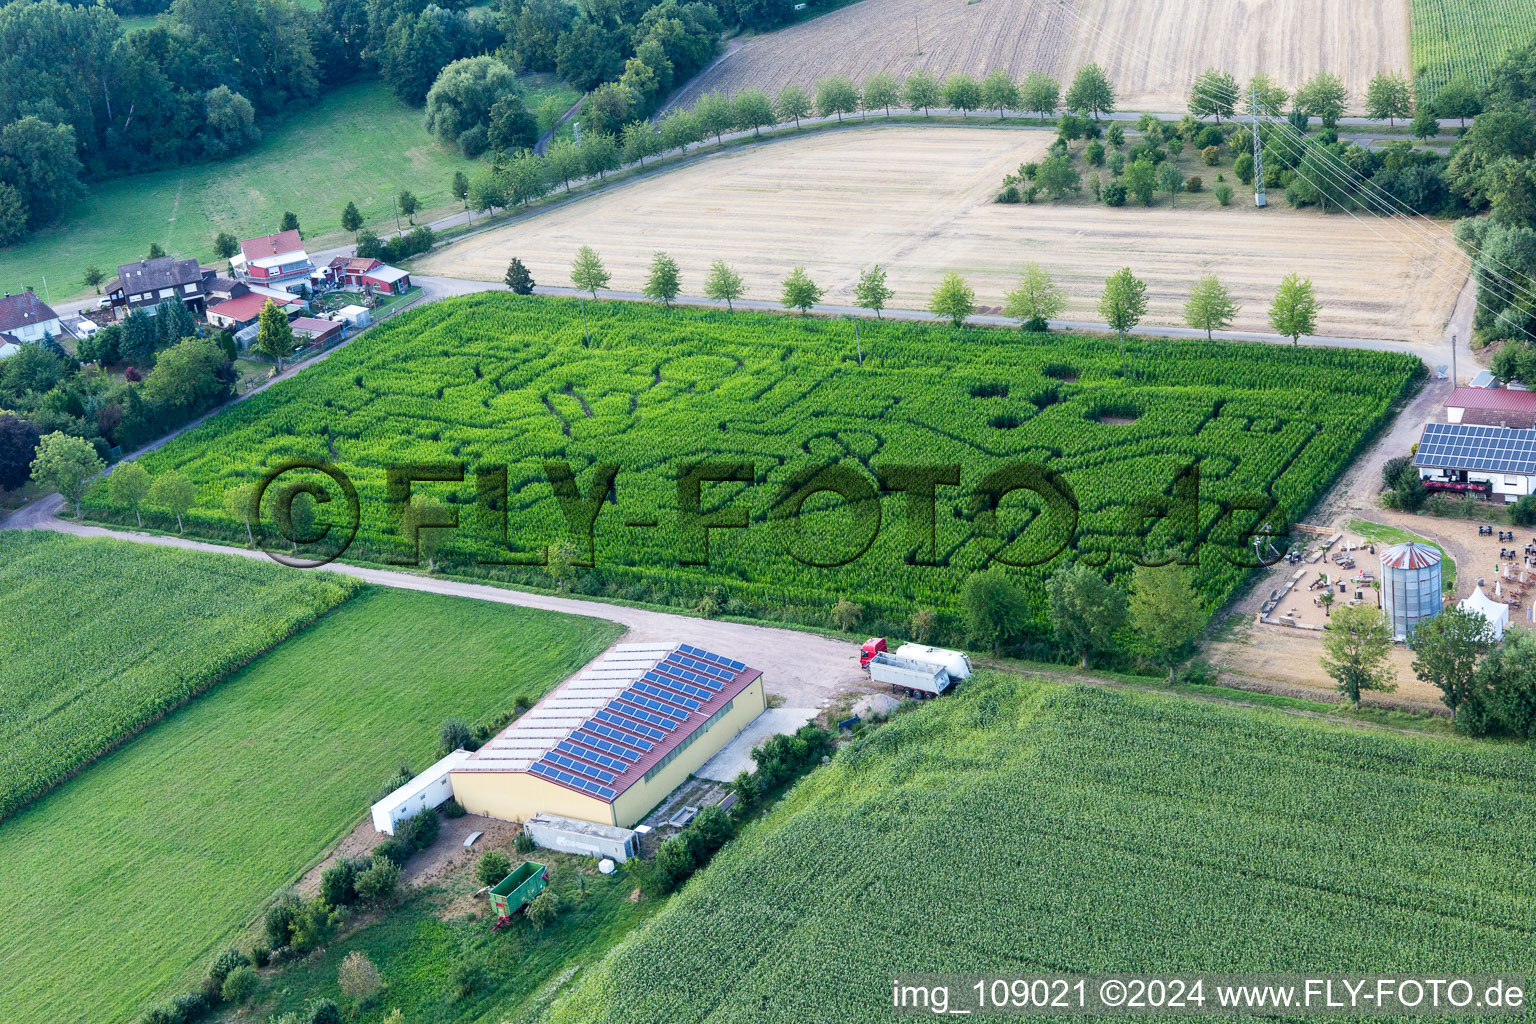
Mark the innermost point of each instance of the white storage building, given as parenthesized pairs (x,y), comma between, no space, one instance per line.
(431,788)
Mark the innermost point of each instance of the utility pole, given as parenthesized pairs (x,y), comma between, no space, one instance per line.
(1259,199)
(1454,382)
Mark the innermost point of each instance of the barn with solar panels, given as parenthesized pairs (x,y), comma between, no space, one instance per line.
(1494,462)
(610,743)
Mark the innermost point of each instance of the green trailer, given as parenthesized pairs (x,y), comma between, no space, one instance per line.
(512,893)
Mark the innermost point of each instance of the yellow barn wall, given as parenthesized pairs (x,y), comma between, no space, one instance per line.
(518,796)
(636,802)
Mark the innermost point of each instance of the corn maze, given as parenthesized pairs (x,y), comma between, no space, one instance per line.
(1029,827)
(778,406)
(1463,37)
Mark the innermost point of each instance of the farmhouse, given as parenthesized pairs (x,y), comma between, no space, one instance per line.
(368,274)
(277,261)
(1501,407)
(1491,461)
(26,318)
(147,283)
(243,311)
(609,744)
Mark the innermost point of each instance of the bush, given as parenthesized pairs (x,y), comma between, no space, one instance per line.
(543,909)
(224,963)
(278,922)
(466,978)
(1028,171)
(419,831)
(1116,162)
(453,809)
(404,775)
(674,862)
(453,735)
(714,829)
(359,978)
(1243,168)
(1093,153)
(312,926)
(1223,194)
(322,1011)
(260,954)
(1032,193)
(1114,193)
(395,850)
(1009,194)
(337,881)
(493,867)
(523,843)
(239,985)
(190,1007)
(379,882)
(1194,184)
(1523,513)
(1211,155)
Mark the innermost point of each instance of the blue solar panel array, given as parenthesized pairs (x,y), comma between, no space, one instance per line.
(635,720)
(574,781)
(1466,446)
(713,659)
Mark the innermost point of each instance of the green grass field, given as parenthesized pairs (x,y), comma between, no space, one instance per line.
(105,636)
(119,885)
(1455,37)
(1021,827)
(497,379)
(359,144)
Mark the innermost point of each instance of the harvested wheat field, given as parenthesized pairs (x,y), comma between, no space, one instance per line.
(918,201)
(1152,49)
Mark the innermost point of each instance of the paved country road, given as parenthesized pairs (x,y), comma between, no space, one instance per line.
(804,668)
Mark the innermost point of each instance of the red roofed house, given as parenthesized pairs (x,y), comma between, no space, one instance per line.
(369,274)
(242,311)
(1492,407)
(277,261)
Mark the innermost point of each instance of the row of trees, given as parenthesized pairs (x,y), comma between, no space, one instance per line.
(1490,688)
(1035,301)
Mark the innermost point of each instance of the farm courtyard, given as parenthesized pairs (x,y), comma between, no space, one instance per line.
(919,201)
(1151,50)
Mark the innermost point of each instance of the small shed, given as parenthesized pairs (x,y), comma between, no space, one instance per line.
(358,316)
(431,788)
(1496,613)
(587,838)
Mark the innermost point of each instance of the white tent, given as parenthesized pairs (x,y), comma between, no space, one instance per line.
(1497,614)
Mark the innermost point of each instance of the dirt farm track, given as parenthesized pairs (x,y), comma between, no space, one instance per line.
(1152,49)
(918,201)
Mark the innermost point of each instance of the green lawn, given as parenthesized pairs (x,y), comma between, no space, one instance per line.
(1376,533)
(105,636)
(119,885)
(1021,827)
(359,144)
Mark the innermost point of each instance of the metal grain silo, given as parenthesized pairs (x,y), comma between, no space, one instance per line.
(1410,586)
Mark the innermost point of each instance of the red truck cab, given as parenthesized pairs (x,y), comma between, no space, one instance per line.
(873,646)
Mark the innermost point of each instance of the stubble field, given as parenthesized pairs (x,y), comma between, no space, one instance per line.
(1151,50)
(918,201)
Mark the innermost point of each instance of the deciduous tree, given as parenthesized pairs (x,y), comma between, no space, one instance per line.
(1294,311)
(994,608)
(998,92)
(753,109)
(1357,646)
(880,91)
(921,91)
(663,282)
(953,299)
(962,93)
(836,95)
(128,485)
(1122,305)
(587,272)
(1446,652)
(65,463)
(1040,93)
(1388,96)
(1091,92)
(800,292)
(1210,306)
(1214,94)
(174,493)
(1036,301)
(1164,612)
(871,291)
(723,284)
(274,334)
(1085,610)
(792,104)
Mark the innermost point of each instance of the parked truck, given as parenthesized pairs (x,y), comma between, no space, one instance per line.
(915,670)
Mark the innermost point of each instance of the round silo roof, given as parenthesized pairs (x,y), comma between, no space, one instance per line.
(1409,556)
